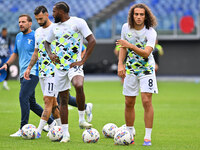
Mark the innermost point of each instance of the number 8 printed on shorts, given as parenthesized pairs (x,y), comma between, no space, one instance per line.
(150,82)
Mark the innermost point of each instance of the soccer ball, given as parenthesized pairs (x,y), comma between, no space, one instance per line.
(120,128)
(109,130)
(29,131)
(124,127)
(90,135)
(55,133)
(122,137)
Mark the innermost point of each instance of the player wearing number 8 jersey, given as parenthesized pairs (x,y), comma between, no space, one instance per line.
(137,43)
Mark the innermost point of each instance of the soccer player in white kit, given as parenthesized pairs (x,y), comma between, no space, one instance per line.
(137,43)
(46,70)
(68,34)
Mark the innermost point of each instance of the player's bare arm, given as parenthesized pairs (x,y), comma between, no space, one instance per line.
(121,67)
(12,58)
(34,59)
(83,53)
(90,47)
(54,58)
(144,53)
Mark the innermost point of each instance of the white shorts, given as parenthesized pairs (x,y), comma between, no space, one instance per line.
(133,83)
(62,80)
(77,70)
(48,86)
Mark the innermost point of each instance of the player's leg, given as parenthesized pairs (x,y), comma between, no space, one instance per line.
(148,86)
(64,97)
(130,90)
(148,116)
(130,114)
(48,105)
(148,109)
(49,92)
(38,110)
(130,110)
(56,112)
(76,76)
(77,82)
(63,85)
(88,107)
(72,102)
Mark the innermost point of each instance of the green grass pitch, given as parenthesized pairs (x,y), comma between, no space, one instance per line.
(176,118)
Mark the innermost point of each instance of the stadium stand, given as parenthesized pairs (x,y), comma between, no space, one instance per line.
(107,16)
(12,9)
(168,15)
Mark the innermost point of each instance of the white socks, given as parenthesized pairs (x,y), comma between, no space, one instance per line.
(65,130)
(81,115)
(58,120)
(130,129)
(5,83)
(148,133)
(52,124)
(41,125)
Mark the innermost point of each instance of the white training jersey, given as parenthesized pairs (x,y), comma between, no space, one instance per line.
(68,42)
(136,64)
(46,67)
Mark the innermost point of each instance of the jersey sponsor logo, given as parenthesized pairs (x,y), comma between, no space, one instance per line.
(151,89)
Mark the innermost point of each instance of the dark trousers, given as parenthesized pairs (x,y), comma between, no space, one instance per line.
(28,101)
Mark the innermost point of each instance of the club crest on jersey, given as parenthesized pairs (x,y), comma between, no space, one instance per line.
(29,41)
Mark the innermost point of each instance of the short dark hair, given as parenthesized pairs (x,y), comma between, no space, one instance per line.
(4,28)
(40,9)
(27,16)
(63,6)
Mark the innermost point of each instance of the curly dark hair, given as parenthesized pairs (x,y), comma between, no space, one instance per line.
(150,19)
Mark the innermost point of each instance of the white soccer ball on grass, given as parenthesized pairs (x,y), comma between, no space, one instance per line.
(109,130)
(124,127)
(122,137)
(55,133)
(90,135)
(29,131)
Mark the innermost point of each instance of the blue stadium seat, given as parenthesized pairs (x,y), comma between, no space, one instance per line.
(165,13)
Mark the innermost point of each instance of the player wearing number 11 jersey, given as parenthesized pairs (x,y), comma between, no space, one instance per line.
(46,70)
(137,43)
